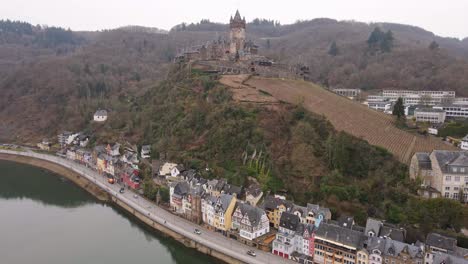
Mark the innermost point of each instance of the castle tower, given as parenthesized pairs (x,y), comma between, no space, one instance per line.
(237,35)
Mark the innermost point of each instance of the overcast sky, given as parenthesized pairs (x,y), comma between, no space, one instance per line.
(446,18)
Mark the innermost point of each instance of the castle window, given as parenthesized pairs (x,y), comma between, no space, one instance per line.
(448,178)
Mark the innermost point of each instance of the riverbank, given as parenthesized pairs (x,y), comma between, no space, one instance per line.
(62,171)
(182,230)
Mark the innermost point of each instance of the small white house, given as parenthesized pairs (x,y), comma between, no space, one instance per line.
(464,143)
(166,169)
(100,116)
(146,151)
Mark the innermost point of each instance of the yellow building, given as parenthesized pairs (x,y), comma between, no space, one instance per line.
(224,208)
(274,207)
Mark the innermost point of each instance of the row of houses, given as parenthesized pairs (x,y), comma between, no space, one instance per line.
(345,243)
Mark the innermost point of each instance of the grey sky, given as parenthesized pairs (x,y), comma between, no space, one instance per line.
(445,18)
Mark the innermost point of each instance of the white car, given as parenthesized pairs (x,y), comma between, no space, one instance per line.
(251,253)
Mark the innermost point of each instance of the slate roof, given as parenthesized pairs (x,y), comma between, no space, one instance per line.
(440,241)
(375,243)
(394,248)
(225,201)
(254,190)
(346,221)
(101,113)
(339,234)
(447,158)
(373,225)
(182,188)
(394,233)
(272,203)
(289,221)
(253,213)
(232,189)
(424,160)
(442,258)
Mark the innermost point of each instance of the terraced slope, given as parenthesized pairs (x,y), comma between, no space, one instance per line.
(375,127)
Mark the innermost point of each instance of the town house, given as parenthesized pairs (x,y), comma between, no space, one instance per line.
(274,207)
(223,210)
(251,221)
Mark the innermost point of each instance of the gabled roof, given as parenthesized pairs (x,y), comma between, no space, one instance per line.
(225,201)
(440,241)
(101,113)
(289,221)
(272,203)
(376,243)
(394,233)
(394,248)
(442,258)
(424,160)
(447,158)
(182,188)
(253,213)
(342,235)
(373,225)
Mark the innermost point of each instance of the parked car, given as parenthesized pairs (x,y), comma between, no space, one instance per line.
(135,196)
(122,190)
(251,253)
(198,232)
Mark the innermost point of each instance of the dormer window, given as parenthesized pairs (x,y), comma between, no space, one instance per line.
(462,170)
(455,169)
(371,234)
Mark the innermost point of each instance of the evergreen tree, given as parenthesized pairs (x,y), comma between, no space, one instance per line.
(386,43)
(333,51)
(399,108)
(434,45)
(375,37)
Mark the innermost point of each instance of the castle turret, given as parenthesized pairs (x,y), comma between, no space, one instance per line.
(237,34)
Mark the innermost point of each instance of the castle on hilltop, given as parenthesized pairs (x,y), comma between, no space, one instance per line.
(236,48)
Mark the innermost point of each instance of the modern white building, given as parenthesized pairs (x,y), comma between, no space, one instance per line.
(454,111)
(347,92)
(100,116)
(430,115)
(419,97)
(384,106)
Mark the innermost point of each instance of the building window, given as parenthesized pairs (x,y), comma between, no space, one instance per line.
(455,169)
(455,196)
(457,178)
(447,195)
(462,170)
(455,188)
(448,178)
(447,188)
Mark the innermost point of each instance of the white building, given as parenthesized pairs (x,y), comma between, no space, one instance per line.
(346,92)
(384,106)
(100,116)
(208,210)
(430,115)
(252,222)
(464,143)
(445,171)
(453,110)
(166,169)
(145,151)
(419,97)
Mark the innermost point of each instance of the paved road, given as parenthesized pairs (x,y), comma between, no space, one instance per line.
(180,225)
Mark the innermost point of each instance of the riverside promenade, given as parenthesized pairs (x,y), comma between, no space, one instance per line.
(208,242)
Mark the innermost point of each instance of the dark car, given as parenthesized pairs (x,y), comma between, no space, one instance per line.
(198,232)
(122,190)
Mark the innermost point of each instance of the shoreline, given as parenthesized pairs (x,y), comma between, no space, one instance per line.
(74,177)
(103,195)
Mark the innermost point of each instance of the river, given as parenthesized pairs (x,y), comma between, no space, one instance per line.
(46,219)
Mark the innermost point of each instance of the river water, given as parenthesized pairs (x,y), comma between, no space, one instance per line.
(46,219)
